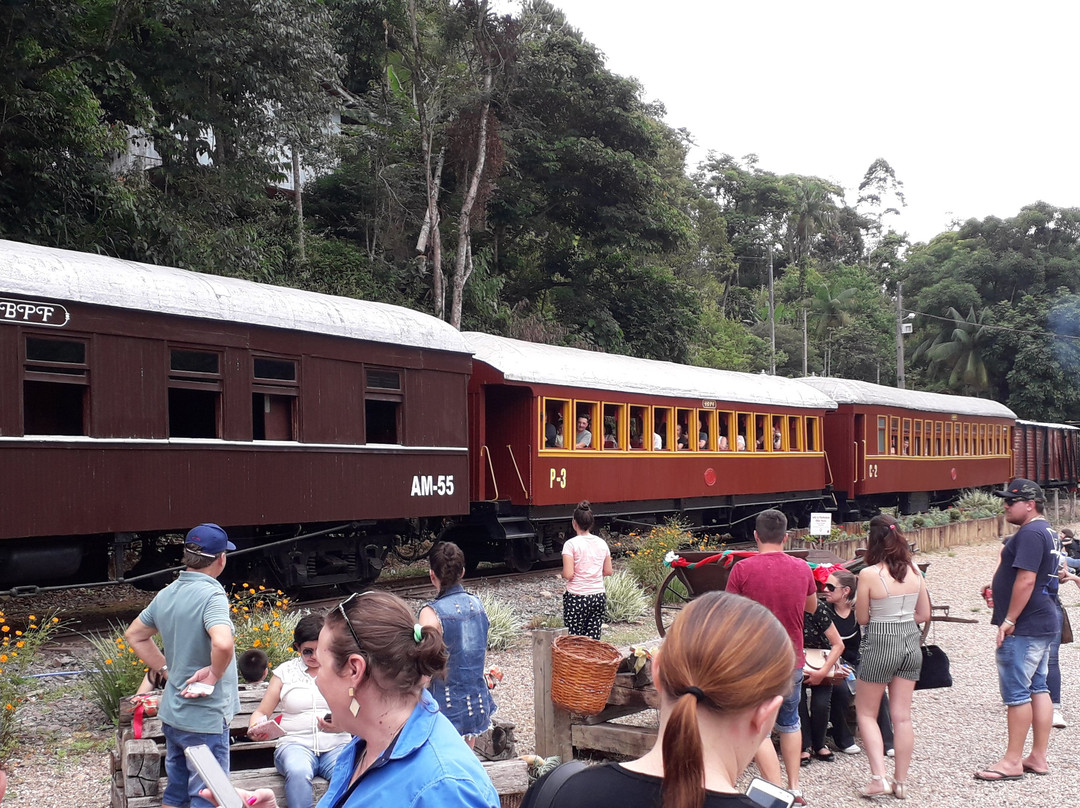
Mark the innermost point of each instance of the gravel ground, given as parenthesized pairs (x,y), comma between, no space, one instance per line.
(959,730)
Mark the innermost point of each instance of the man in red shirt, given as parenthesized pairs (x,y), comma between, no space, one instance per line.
(784,585)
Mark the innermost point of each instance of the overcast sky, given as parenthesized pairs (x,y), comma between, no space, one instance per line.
(972,103)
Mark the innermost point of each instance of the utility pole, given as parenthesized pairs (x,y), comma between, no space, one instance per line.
(900,335)
(805,341)
(772,319)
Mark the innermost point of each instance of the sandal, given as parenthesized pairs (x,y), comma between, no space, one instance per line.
(869,791)
(805,759)
(899,789)
(825,754)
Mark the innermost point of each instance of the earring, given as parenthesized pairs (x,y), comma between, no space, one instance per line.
(354,705)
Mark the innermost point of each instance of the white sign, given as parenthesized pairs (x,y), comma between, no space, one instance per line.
(820,524)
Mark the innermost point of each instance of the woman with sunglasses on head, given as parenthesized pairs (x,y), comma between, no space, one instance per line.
(462,693)
(374,660)
(310,746)
(890,601)
(815,704)
(721,674)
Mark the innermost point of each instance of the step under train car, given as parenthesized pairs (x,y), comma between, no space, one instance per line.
(550,426)
(889,447)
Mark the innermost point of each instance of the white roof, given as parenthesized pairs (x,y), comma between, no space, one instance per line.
(849,391)
(534,363)
(64,275)
(1051,426)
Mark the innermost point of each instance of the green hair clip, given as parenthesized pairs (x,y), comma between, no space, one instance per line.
(417,632)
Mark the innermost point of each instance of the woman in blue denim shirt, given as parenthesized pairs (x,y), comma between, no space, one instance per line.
(462,695)
(374,660)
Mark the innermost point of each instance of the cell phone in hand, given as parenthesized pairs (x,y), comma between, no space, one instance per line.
(205,764)
(769,795)
(198,689)
(328,718)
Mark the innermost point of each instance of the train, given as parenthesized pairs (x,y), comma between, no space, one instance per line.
(139,400)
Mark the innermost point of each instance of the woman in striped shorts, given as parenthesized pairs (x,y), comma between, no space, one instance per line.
(586,562)
(890,600)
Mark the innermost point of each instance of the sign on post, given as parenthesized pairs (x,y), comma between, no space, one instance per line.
(820,524)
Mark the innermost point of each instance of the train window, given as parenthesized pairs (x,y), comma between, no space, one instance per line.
(614,428)
(663,424)
(725,421)
(382,405)
(811,435)
(640,435)
(761,429)
(741,444)
(983,448)
(273,398)
(706,433)
(965,444)
(950,449)
(684,424)
(55,387)
(905,440)
(556,413)
(939,447)
(794,433)
(917,438)
(776,433)
(194,394)
(882,433)
(586,425)
(894,435)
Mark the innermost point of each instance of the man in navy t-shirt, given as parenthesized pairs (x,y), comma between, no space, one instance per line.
(1028,621)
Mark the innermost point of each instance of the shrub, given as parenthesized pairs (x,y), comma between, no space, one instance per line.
(626,601)
(18,648)
(647,563)
(504,627)
(976,499)
(118,672)
(261,620)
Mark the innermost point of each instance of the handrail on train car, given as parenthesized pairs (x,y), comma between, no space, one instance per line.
(854,462)
(484,450)
(828,468)
(514,461)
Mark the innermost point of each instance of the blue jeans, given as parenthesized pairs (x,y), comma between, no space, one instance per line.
(183,787)
(1022,663)
(787,720)
(298,765)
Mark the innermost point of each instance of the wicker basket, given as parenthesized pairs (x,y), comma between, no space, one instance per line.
(582,673)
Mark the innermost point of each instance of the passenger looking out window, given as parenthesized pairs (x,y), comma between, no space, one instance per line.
(777,437)
(583,439)
(683,440)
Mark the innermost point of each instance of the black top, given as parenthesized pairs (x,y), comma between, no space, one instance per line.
(611,784)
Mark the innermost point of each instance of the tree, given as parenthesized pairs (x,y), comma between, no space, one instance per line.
(958,352)
(830,310)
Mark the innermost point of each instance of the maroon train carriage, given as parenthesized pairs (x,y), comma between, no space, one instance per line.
(889,447)
(752,441)
(137,401)
(1047,454)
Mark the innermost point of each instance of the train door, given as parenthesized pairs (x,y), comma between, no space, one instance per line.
(858,452)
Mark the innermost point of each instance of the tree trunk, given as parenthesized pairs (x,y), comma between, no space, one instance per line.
(299,198)
(463,261)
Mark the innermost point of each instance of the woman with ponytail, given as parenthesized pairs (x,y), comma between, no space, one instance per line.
(890,600)
(722,673)
(586,561)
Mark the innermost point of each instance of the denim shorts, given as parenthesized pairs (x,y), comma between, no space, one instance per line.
(787,720)
(183,787)
(1022,664)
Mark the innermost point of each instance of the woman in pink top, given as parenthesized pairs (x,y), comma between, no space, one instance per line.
(586,559)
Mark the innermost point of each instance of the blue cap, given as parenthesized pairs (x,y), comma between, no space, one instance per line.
(211,539)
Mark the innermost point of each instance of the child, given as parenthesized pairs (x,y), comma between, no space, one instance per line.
(586,561)
(253,666)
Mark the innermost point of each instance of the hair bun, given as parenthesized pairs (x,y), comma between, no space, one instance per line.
(584,505)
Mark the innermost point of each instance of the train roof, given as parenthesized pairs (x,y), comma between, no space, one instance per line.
(1043,423)
(534,363)
(33,271)
(849,391)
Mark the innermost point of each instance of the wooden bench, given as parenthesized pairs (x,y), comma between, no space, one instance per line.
(137,764)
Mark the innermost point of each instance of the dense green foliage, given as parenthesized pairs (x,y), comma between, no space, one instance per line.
(493,171)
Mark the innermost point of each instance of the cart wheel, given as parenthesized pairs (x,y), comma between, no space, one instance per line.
(670,599)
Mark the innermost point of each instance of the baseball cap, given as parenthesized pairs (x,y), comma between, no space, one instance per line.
(210,538)
(1022,489)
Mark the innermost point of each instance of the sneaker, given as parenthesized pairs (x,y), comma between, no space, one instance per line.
(1059,719)
(851,750)
(890,753)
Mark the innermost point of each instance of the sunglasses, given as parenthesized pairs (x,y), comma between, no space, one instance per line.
(1010,502)
(829,587)
(348,624)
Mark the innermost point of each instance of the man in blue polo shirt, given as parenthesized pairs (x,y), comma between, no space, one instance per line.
(1028,621)
(192,617)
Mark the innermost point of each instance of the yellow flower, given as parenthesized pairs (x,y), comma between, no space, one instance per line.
(261,587)
(3,657)
(108,661)
(20,643)
(5,629)
(56,619)
(256,644)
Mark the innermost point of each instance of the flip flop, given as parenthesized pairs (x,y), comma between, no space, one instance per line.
(1000,776)
(1032,770)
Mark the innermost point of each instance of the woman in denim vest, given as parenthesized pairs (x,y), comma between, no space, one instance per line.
(462,694)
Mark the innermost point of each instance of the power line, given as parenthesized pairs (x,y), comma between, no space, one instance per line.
(1029,332)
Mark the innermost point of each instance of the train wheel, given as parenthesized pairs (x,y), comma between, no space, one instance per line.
(670,599)
(413,548)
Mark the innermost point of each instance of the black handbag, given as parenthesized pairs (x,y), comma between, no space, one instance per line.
(935,669)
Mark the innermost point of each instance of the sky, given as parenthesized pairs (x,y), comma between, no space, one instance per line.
(973,104)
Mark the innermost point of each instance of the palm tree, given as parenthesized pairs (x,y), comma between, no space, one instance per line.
(958,351)
(830,312)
